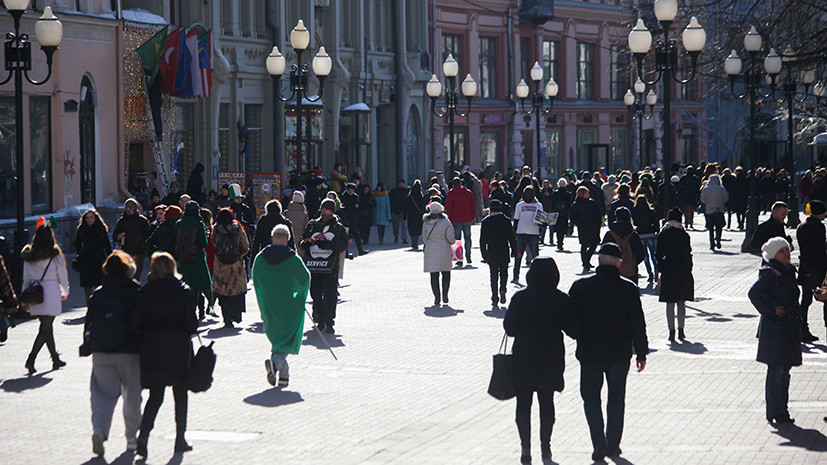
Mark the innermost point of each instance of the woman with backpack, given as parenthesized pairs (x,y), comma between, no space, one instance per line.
(646,227)
(93,246)
(674,257)
(116,368)
(43,262)
(191,254)
(623,234)
(165,320)
(229,275)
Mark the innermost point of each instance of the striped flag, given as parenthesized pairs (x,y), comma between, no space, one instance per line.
(194,63)
(204,62)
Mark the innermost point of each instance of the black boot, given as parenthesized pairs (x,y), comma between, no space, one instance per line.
(545,450)
(525,456)
(181,445)
(30,365)
(57,363)
(681,335)
(141,449)
(806,335)
(672,336)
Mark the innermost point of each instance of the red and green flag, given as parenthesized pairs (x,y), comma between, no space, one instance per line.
(151,52)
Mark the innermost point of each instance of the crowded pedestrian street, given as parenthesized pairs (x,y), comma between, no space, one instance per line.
(409,385)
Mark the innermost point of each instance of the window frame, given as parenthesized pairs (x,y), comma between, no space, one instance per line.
(585,71)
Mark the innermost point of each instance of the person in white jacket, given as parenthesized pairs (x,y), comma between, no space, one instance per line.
(43,261)
(714,197)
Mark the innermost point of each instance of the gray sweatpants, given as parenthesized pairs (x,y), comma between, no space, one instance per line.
(113,376)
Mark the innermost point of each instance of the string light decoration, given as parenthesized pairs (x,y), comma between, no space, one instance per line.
(138,126)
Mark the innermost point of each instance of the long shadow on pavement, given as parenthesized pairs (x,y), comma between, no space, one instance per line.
(621,461)
(442,312)
(19,385)
(495,312)
(312,338)
(808,348)
(216,333)
(256,327)
(809,439)
(126,458)
(274,397)
(696,348)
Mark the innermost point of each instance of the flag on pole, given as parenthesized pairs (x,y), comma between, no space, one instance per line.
(204,62)
(183,76)
(169,62)
(195,63)
(151,52)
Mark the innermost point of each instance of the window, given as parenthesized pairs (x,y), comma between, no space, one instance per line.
(224,137)
(488,70)
(8,157)
(183,158)
(552,167)
(41,152)
(585,71)
(585,137)
(525,59)
(459,147)
(619,73)
(227,24)
(252,149)
(619,149)
(687,91)
(488,149)
(452,45)
(550,59)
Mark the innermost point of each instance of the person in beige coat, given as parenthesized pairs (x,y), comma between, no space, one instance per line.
(297,214)
(229,278)
(438,237)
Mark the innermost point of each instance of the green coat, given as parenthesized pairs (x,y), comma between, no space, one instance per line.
(196,274)
(281,282)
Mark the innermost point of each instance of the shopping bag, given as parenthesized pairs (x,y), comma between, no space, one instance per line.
(199,377)
(456,251)
(501,385)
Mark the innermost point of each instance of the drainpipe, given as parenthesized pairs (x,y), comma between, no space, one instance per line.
(118,9)
(510,71)
(278,105)
(399,52)
(432,118)
(122,182)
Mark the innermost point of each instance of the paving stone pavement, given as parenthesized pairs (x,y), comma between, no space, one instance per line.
(410,383)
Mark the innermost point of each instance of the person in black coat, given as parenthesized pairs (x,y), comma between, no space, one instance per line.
(622,199)
(93,246)
(497,190)
(668,196)
(414,209)
(497,244)
(537,317)
(265,227)
(739,197)
(622,233)
(587,215)
(646,226)
(674,258)
(560,203)
(397,196)
(689,192)
(349,214)
(131,230)
(811,237)
(367,205)
(775,296)
(173,195)
(195,183)
(165,319)
(773,227)
(608,310)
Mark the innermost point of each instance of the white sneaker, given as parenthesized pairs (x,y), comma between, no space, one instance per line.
(271,372)
(97,444)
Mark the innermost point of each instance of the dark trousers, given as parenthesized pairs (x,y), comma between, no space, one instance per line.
(586,252)
(364,229)
(715,225)
(153,404)
(777,391)
(591,382)
(353,231)
(45,335)
(324,292)
(446,283)
(523,417)
(806,300)
(498,272)
(139,265)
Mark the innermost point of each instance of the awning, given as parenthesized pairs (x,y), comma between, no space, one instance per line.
(356,108)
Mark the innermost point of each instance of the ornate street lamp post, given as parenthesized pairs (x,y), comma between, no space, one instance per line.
(538,102)
(666,65)
(276,65)
(451,110)
(18,48)
(751,90)
(637,108)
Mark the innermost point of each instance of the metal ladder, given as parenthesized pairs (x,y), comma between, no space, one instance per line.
(161,168)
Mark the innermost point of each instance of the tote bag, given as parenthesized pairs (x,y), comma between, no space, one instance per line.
(501,385)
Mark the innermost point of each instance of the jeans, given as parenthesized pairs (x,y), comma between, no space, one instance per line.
(523,416)
(113,376)
(525,241)
(586,252)
(498,272)
(591,382)
(670,314)
(650,243)
(153,404)
(464,229)
(324,290)
(777,391)
(280,365)
(399,223)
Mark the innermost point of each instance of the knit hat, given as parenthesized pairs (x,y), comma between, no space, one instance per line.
(235,192)
(350,185)
(817,207)
(328,204)
(435,207)
(298,197)
(132,203)
(562,182)
(495,205)
(675,214)
(772,246)
(611,249)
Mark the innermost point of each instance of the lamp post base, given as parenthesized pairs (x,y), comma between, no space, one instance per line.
(15,268)
(752,223)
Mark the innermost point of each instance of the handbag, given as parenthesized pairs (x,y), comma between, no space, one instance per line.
(33,294)
(199,376)
(501,385)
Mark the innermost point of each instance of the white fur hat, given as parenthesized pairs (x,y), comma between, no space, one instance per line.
(772,246)
(435,207)
(561,182)
(298,197)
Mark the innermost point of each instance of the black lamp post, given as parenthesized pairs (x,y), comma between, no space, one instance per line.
(434,88)
(538,102)
(637,108)
(666,65)
(18,51)
(752,91)
(276,64)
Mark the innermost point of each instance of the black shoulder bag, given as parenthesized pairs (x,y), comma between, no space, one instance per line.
(33,294)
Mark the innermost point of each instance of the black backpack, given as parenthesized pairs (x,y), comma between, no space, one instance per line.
(108,328)
(199,376)
(185,248)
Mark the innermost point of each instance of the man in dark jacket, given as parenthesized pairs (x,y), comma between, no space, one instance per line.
(610,316)
(350,215)
(265,227)
(173,195)
(497,243)
(813,258)
(195,183)
(323,239)
(131,230)
(689,191)
(586,215)
(397,197)
(773,227)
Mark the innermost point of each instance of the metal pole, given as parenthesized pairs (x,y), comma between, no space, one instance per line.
(20,238)
(300,77)
(452,103)
(751,83)
(792,214)
(667,122)
(537,107)
(640,139)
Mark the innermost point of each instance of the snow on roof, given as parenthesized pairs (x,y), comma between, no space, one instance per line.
(139,15)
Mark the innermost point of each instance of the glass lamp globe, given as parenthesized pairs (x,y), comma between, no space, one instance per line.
(694,36)
(552,88)
(651,98)
(48,29)
(18,5)
(639,86)
(322,64)
(434,87)
(752,41)
(640,39)
(300,37)
(450,67)
(522,89)
(628,98)
(276,63)
(666,10)
(536,72)
(469,87)
(772,63)
(732,64)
